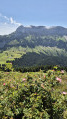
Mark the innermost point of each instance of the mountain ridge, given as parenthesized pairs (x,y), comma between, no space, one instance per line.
(30,40)
(44,29)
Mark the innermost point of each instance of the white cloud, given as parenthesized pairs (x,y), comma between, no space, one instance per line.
(5,17)
(14,22)
(7,25)
(10,20)
(6,29)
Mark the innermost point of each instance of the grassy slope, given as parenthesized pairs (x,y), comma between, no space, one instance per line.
(18,52)
(47,45)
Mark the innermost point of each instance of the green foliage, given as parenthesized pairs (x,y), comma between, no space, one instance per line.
(14,42)
(42,56)
(33,95)
(8,67)
(65,114)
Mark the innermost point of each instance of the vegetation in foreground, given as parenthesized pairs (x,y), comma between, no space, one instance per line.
(33,95)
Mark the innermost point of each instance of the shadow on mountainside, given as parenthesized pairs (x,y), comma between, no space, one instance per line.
(33,59)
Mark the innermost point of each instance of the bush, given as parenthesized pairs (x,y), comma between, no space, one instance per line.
(33,97)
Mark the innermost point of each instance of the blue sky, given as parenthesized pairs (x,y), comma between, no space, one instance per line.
(31,12)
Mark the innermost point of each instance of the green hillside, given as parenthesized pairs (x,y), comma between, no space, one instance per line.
(34,46)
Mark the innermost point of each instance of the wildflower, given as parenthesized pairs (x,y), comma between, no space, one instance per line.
(4,84)
(44,76)
(24,79)
(64,93)
(7,72)
(58,79)
(62,71)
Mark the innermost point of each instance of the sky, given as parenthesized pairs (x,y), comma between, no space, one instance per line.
(14,13)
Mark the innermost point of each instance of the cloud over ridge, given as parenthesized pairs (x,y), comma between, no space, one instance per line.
(9,20)
(7,24)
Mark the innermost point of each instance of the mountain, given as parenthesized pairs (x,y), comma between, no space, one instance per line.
(43,30)
(35,45)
